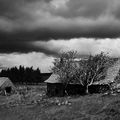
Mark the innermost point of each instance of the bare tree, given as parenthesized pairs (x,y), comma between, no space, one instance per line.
(89,71)
(93,69)
(64,66)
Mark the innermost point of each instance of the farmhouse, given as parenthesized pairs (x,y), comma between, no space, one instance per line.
(56,88)
(6,86)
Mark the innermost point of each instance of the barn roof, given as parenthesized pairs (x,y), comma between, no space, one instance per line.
(101,82)
(111,74)
(53,79)
(4,81)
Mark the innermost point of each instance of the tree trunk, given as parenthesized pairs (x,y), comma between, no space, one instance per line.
(87,90)
(65,86)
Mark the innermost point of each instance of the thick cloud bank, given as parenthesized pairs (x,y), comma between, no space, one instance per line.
(23,22)
(46,19)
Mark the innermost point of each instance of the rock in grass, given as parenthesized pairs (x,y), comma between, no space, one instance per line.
(59,104)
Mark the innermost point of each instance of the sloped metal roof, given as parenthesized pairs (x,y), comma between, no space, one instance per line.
(53,79)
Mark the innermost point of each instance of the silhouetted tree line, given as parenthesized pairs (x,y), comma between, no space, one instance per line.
(23,75)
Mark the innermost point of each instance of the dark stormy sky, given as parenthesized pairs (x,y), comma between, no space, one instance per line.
(33,32)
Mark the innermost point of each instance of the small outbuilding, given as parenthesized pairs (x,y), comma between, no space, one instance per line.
(54,86)
(6,86)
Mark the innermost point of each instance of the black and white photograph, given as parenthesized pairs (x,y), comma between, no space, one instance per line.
(59,59)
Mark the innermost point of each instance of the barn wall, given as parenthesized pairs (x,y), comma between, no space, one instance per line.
(74,89)
(98,88)
(55,89)
(58,89)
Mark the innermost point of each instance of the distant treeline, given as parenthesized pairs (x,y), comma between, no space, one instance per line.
(25,75)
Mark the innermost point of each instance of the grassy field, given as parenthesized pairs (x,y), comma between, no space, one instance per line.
(31,103)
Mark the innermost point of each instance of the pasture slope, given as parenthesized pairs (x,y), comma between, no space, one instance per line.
(89,107)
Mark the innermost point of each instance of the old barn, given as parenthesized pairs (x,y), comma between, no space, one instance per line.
(56,88)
